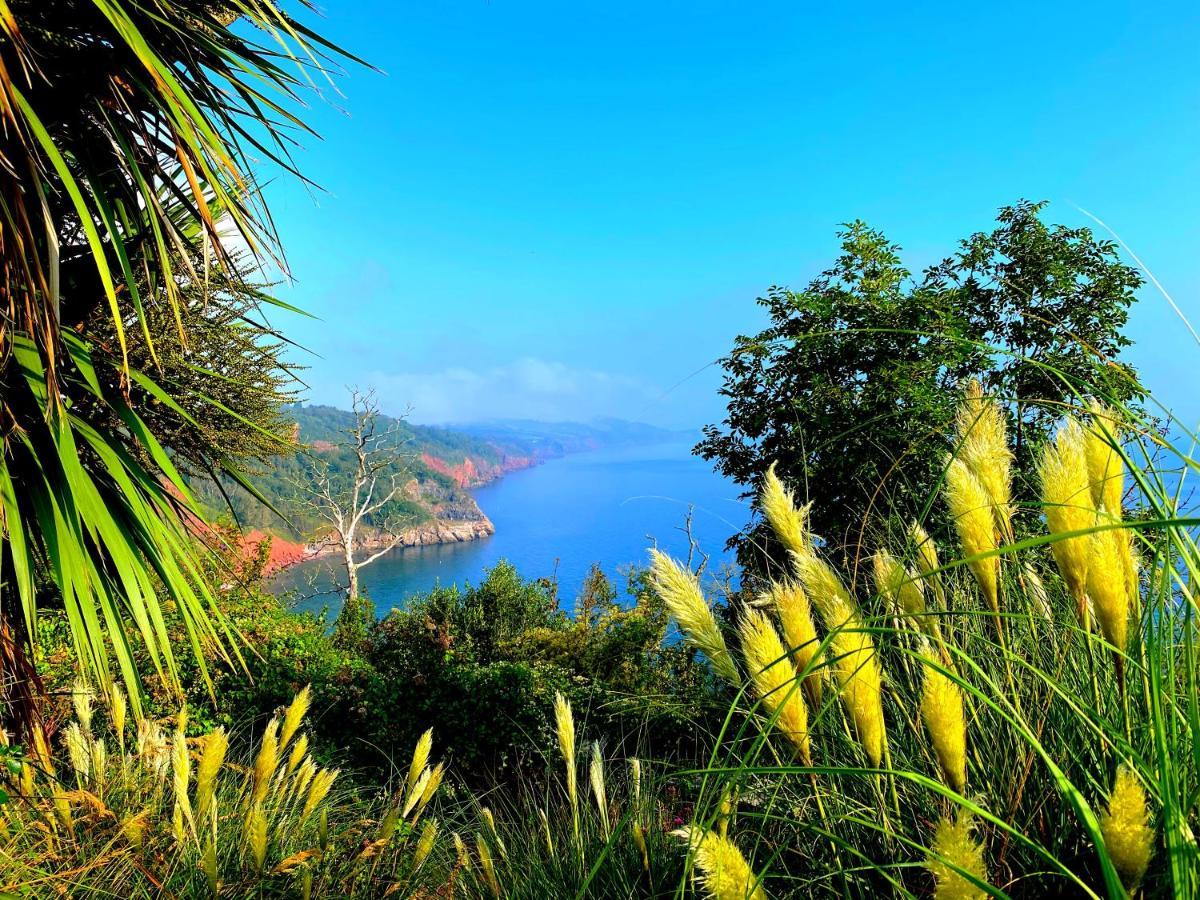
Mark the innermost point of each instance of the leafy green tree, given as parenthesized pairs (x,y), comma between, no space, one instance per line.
(852,386)
(124,185)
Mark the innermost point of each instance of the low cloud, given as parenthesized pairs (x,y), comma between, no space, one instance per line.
(528,387)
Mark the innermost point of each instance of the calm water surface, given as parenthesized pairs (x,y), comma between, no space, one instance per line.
(607,506)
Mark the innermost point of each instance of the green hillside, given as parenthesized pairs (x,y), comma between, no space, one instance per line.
(440,462)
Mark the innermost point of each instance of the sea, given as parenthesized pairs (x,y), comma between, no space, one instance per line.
(555,520)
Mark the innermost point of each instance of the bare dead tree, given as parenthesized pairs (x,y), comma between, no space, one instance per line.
(346,501)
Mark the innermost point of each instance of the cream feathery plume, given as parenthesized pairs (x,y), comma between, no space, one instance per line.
(970,507)
(1067,499)
(680,591)
(852,653)
(902,588)
(420,757)
(942,711)
(927,560)
(795,615)
(599,793)
(425,842)
(724,872)
(1108,585)
(983,446)
(266,761)
(953,853)
(856,667)
(212,757)
(786,520)
(295,714)
(1128,836)
(774,678)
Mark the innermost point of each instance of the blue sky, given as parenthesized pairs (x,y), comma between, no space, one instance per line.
(562,210)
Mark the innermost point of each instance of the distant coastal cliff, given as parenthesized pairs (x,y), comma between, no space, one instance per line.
(445,464)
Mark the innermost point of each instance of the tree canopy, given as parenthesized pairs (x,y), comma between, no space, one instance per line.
(852,386)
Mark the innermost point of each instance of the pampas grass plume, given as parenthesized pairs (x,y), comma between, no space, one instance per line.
(680,591)
(1126,828)
(795,615)
(599,792)
(983,447)
(942,711)
(724,872)
(420,757)
(779,507)
(425,842)
(212,757)
(970,507)
(774,679)
(1066,494)
(955,851)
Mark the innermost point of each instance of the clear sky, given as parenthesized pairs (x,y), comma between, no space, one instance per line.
(561,210)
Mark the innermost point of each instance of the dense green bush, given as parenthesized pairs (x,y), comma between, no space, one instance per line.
(480,662)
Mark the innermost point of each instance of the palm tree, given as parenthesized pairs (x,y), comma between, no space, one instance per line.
(125,188)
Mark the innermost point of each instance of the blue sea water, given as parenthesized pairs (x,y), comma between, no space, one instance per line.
(555,520)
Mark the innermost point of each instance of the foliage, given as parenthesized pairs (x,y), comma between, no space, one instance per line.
(1037,746)
(136,808)
(425,455)
(852,386)
(123,179)
(498,652)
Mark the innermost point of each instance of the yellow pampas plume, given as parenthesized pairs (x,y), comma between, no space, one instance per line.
(266,762)
(795,615)
(212,757)
(565,726)
(983,448)
(774,679)
(1128,837)
(181,768)
(942,710)
(970,507)
(81,699)
(489,819)
(927,560)
(599,792)
(208,864)
(462,857)
(680,591)
(785,519)
(900,587)
(119,709)
(420,757)
(416,791)
(79,750)
(724,872)
(546,836)
(852,651)
(295,714)
(319,789)
(431,787)
(256,836)
(488,865)
(425,842)
(1106,468)
(954,853)
(856,667)
(299,751)
(1108,585)
(1067,496)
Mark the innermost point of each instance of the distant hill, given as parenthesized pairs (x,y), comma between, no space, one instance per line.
(559,438)
(442,464)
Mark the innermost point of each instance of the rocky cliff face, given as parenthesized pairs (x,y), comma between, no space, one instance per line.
(473,472)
